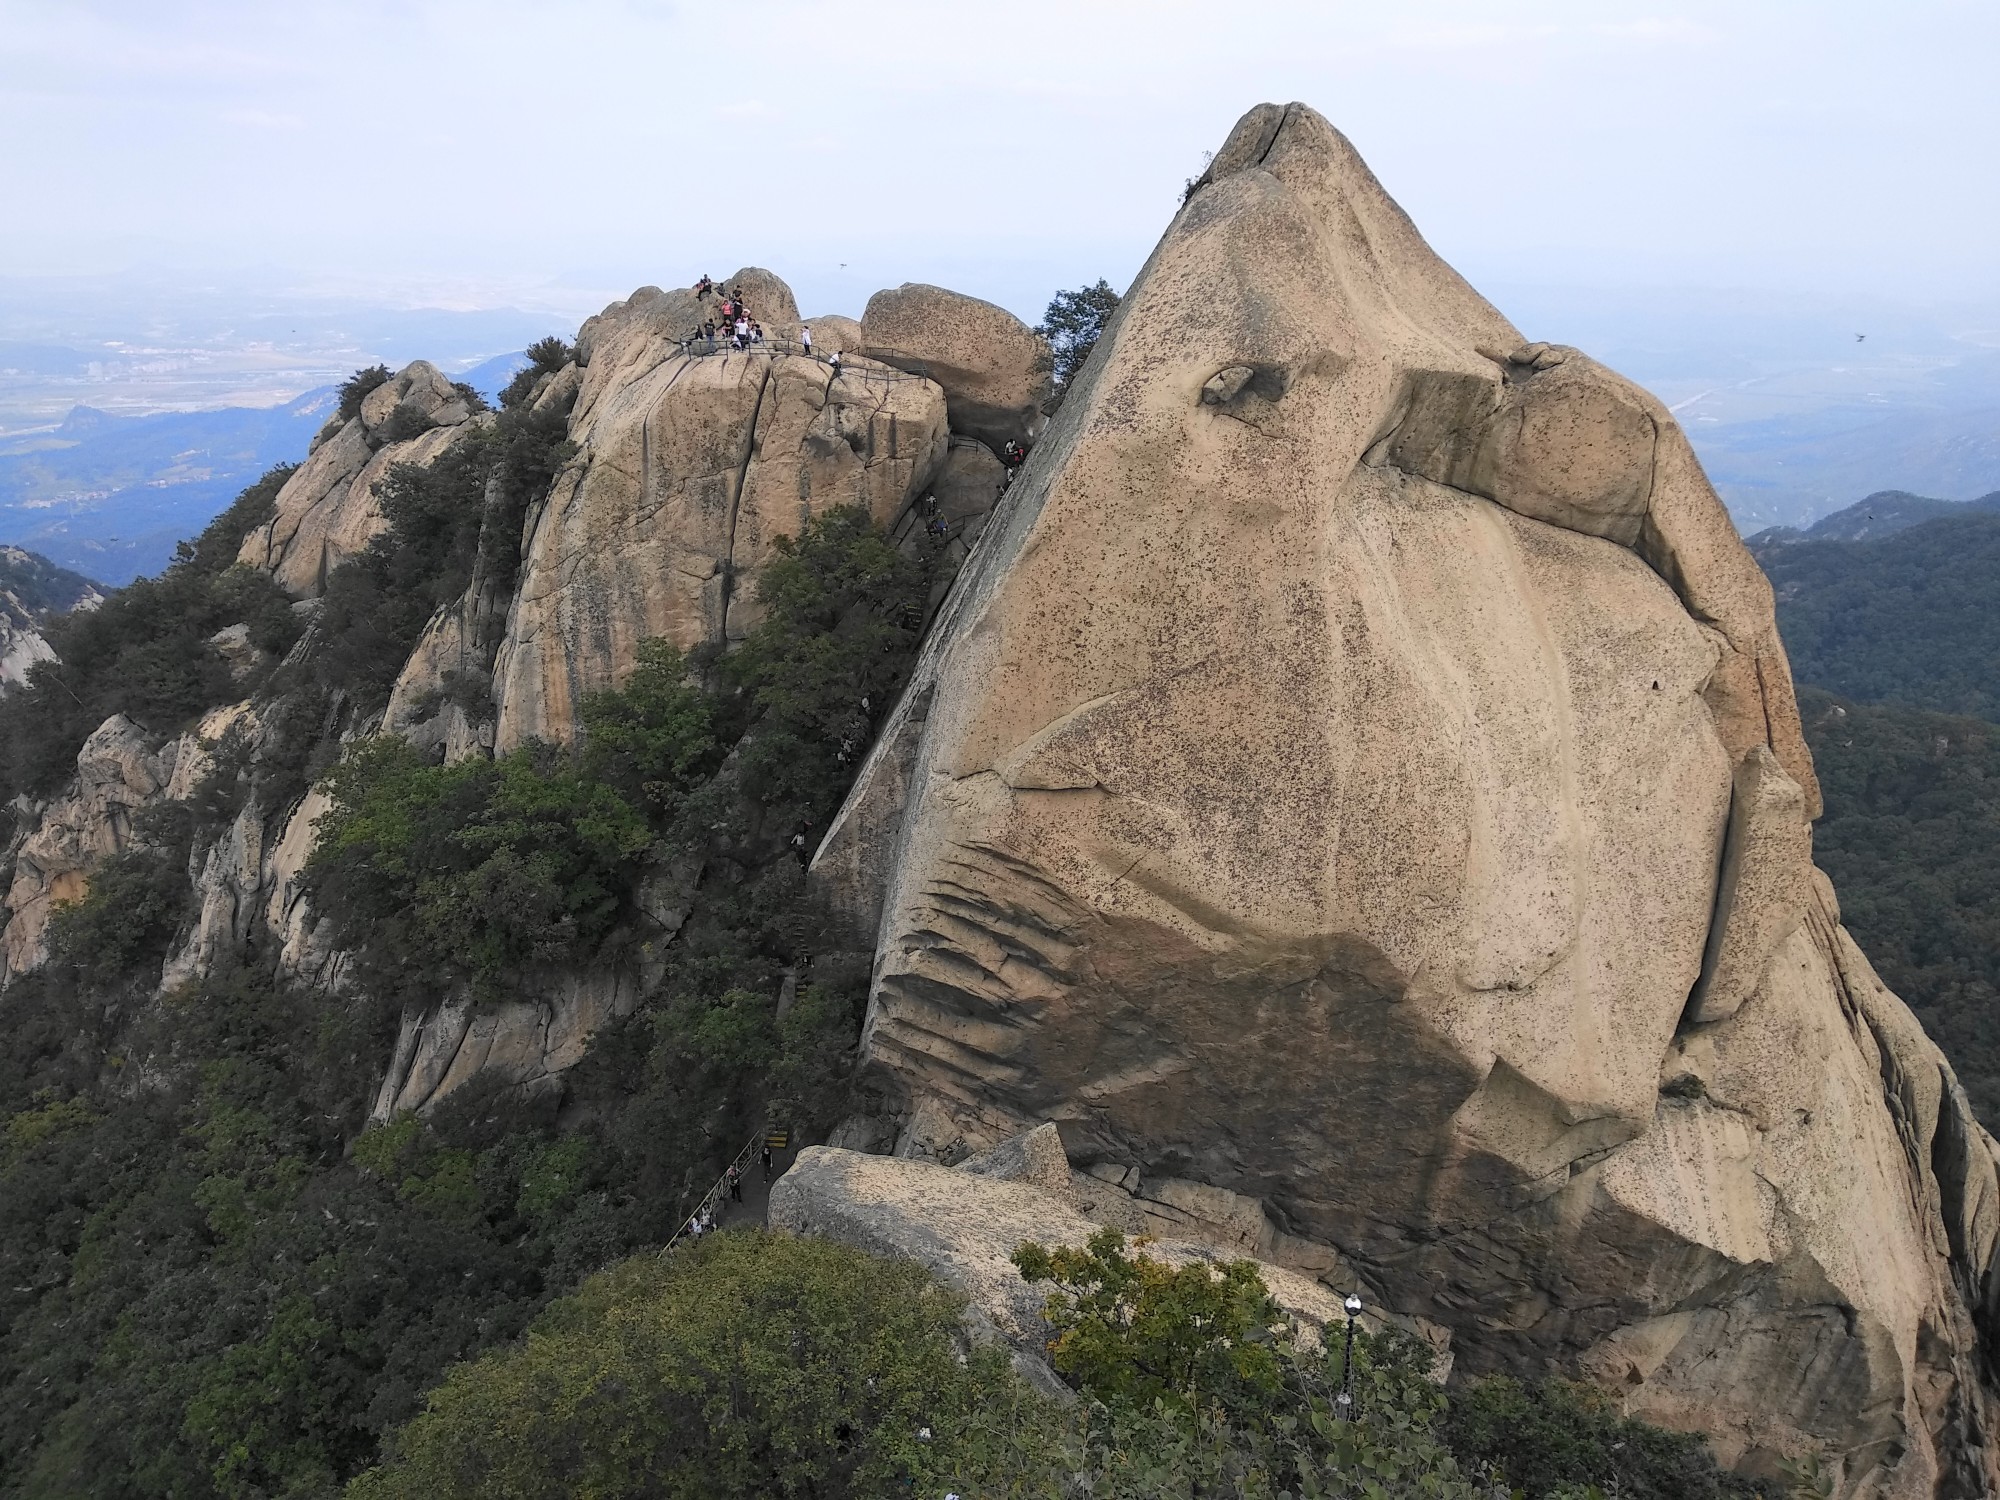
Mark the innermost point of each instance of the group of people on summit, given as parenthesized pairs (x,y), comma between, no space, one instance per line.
(742,332)
(737,327)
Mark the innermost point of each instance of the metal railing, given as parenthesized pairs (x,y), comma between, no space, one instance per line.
(698,347)
(716,1198)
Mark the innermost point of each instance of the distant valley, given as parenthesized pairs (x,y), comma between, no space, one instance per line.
(1887,610)
(1892,601)
(109,496)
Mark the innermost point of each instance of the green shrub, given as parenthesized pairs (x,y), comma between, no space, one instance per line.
(843,617)
(124,924)
(656,734)
(1199,1385)
(407,421)
(49,1119)
(744,1365)
(471,871)
(545,357)
(1137,1330)
(1555,1436)
(1074,322)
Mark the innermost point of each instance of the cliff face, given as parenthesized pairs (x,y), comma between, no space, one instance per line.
(328,510)
(1359,773)
(31,589)
(689,466)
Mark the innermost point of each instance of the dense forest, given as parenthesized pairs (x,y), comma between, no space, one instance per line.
(1911,839)
(1895,642)
(1906,619)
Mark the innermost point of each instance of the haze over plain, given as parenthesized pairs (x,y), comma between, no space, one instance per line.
(226,204)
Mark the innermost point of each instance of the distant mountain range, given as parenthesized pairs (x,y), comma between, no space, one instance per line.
(1894,603)
(109,496)
(1883,513)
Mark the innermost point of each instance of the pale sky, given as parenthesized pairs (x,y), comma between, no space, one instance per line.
(503,151)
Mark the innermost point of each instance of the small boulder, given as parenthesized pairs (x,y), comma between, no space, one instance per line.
(770,301)
(245,657)
(833,334)
(419,385)
(1035,1157)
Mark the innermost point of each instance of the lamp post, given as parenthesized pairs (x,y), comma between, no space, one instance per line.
(1344,1402)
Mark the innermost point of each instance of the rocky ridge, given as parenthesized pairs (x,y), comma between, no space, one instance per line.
(327,511)
(687,465)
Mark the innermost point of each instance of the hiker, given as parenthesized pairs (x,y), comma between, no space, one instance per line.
(836,364)
(735,1183)
(1012,454)
(703,287)
(756,332)
(767,1161)
(806,338)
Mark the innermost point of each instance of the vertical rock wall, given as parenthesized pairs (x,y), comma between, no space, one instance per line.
(1359,775)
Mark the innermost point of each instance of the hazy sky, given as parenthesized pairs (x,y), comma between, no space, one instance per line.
(501,151)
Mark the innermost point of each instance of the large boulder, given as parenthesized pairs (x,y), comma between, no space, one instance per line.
(1358,734)
(690,467)
(328,511)
(964,1226)
(995,370)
